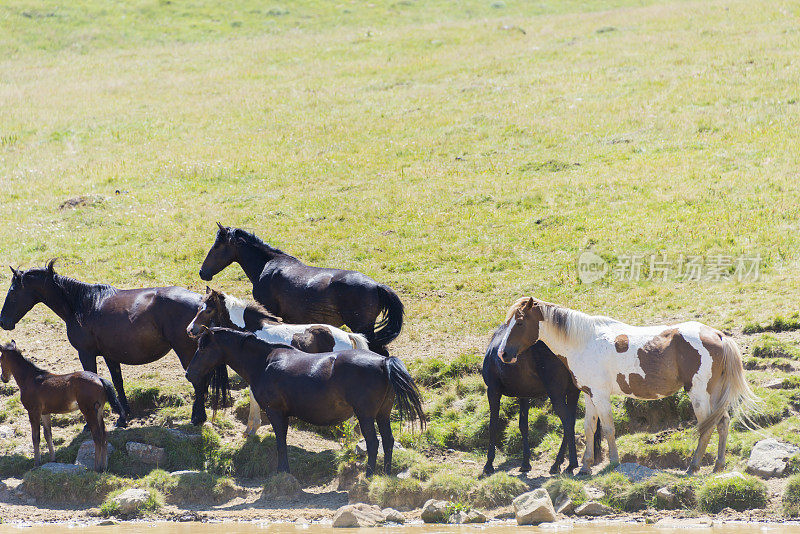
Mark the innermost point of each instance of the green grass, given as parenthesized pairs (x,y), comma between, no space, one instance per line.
(82,487)
(154,501)
(790,501)
(739,493)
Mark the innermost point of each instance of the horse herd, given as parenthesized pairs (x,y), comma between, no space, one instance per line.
(297,361)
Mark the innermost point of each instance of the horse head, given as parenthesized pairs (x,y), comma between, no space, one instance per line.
(221,254)
(24,293)
(208,314)
(5,376)
(521,329)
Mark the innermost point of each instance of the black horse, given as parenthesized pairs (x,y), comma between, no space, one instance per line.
(302,294)
(134,326)
(536,373)
(322,389)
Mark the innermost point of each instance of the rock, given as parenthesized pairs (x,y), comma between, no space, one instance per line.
(774,384)
(393,516)
(534,507)
(769,458)
(665,499)
(281,485)
(183,436)
(131,500)
(55,467)
(635,472)
(474,516)
(358,515)
(434,511)
(107,523)
(565,506)
(457,518)
(593,508)
(147,454)
(361,447)
(6,432)
(594,493)
(726,476)
(86,454)
(185,472)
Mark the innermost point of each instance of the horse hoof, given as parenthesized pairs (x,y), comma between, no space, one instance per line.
(488,469)
(585,472)
(554,470)
(122,423)
(524,468)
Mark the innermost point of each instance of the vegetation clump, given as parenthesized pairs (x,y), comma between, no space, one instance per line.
(70,487)
(737,491)
(790,502)
(110,507)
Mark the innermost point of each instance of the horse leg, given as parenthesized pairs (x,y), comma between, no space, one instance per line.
(722,434)
(48,436)
(367,425)
(89,363)
(35,419)
(524,408)
(589,426)
(115,371)
(702,410)
(254,420)
(104,440)
(561,410)
(97,429)
(570,409)
(280,425)
(494,427)
(604,412)
(385,428)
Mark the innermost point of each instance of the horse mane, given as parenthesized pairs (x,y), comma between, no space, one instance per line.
(80,296)
(254,241)
(25,364)
(252,307)
(569,324)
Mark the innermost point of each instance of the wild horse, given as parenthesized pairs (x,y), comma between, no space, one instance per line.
(536,373)
(321,389)
(43,393)
(133,326)
(608,357)
(221,309)
(301,294)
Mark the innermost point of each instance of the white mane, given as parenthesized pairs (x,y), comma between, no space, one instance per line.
(572,325)
(235,309)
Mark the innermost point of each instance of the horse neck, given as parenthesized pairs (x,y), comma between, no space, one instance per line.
(21,369)
(252,261)
(559,341)
(245,364)
(53,296)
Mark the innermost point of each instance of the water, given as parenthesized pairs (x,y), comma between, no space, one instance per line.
(495,528)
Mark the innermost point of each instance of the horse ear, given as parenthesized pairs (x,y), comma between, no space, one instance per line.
(528,305)
(12,345)
(208,290)
(50,269)
(16,273)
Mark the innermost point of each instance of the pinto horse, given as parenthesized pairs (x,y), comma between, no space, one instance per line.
(221,309)
(302,294)
(43,393)
(322,389)
(608,357)
(536,373)
(134,326)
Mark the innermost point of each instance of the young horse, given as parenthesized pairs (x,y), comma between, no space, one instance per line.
(220,309)
(536,373)
(302,294)
(608,357)
(133,327)
(42,393)
(321,389)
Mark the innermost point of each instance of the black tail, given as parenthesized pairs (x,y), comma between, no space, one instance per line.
(220,388)
(598,442)
(406,394)
(111,397)
(391,322)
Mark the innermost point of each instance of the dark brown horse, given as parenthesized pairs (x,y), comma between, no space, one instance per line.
(536,373)
(301,293)
(321,389)
(43,393)
(134,326)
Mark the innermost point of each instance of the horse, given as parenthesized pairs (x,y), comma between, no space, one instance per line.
(607,357)
(322,389)
(221,309)
(302,294)
(43,393)
(536,373)
(133,326)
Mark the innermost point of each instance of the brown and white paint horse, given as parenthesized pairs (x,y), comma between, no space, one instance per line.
(223,310)
(607,357)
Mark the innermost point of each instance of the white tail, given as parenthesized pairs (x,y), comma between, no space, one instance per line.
(359,341)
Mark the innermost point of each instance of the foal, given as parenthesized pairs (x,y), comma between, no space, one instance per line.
(608,357)
(220,309)
(43,393)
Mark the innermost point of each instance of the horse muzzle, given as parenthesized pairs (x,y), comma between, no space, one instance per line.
(6,324)
(204,276)
(503,357)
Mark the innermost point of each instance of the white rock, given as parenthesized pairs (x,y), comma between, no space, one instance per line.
(358,515)
(635,472)
(86,454)
(131,500)
(769,458)
(593,492)
(534,507)
(434,511)
(666,499)
(55,467)
(147,454)
(593,508)
(393,516)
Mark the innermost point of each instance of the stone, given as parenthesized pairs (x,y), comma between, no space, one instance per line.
(86,454)
(185,472)
(635,472)
(457,518)
(565,506)
(282,486)
(474,516)
(131,500)
(726,476)
(361,447)
(393,516)
(770,457)
(183,436)
(55,467)
(6,432)
(534,507)
(434,511)
(358,515)
(665,499)
(777,383)
(147,454)
(594,493)
(593,509)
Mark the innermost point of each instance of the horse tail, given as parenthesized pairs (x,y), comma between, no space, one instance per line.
(406,394)
(220,388)
(111,397)
(388,327)
(598,442)
(359,341)
(736,397)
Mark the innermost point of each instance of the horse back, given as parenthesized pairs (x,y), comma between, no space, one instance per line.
(66,392)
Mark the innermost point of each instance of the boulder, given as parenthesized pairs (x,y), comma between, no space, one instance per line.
(777,383)
(147,454)
(358,515)
(770,457)
(474,516)
(635,472)
(393,516)
(131,500)
(457,518)
(564,505)
(593,509)
(726,476)
(534,507)
(86,454)
(594,493)
(55,467)
(434,511)
(665,499)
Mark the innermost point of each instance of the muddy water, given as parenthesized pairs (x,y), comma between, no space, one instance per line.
(495,528)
